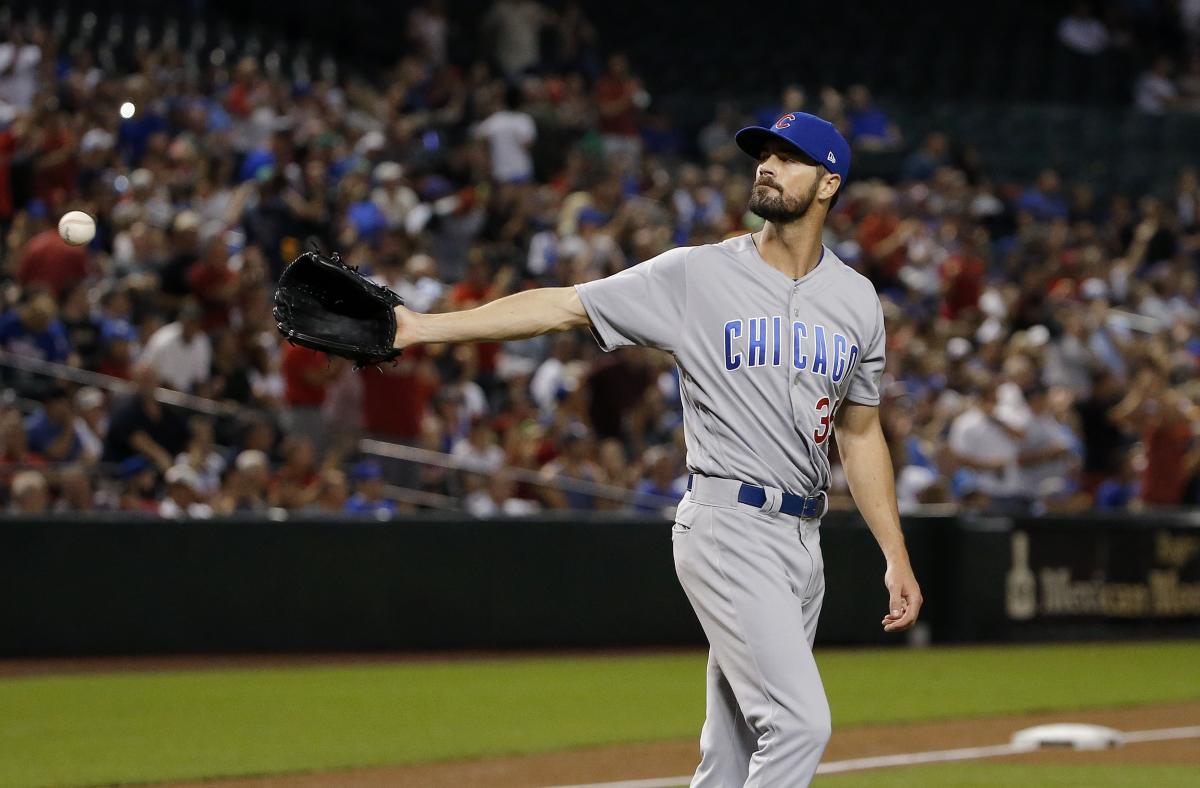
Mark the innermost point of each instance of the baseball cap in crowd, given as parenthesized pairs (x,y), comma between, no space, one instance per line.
(367,470)
(815,137)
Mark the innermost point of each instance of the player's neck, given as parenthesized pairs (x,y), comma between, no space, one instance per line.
(794,248)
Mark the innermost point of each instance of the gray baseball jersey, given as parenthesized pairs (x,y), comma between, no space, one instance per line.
(765,360)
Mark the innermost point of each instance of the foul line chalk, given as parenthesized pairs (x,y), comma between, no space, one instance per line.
(913,758)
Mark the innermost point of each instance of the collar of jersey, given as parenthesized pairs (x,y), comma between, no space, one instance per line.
(814,274)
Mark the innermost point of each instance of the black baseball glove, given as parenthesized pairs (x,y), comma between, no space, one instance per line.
(324,304)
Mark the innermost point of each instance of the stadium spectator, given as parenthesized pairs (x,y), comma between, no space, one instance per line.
(202,457)
(870,128)
(619,99)
(1044,201)
(139,483)
(933,153)
(180,353)
(29,494)
(1081,32)
(985,448)
(662,483)
(75,493)
(509,134)
(368,498)
(332,494)
(498,498)
(184,497)
(1155,91)
(33,329)
(141,425)
(428,30)
(513,30)
(246,485)
(50,262)
(308,375)
(573,464)
(297,483)
(52,431)
(81,326)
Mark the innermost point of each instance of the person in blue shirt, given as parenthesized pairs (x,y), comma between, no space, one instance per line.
(368,495)
(1045,200)
(33,329)
(662,483)
(870,128)
(51,430)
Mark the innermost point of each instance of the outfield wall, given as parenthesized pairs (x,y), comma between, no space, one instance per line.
(100,586)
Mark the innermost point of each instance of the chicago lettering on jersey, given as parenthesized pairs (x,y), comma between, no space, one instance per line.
(772,341)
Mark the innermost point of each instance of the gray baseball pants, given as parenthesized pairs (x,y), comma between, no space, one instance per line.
(755,578)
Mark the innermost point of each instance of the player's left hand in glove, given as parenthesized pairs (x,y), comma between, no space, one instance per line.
(324,304)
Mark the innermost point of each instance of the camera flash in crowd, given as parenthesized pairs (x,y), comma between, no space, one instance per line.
(127,110)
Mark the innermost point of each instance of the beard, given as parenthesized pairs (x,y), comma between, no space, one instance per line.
(774,206)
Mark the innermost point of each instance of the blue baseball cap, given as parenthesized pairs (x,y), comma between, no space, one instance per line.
(815,137)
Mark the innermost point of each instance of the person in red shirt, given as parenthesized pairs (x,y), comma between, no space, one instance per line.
(962,275)
(307,375)
(214,284)
(1169,442)
(884,238)
(50,262)
(396,398)
(9,138)
(56,168)
(618,94)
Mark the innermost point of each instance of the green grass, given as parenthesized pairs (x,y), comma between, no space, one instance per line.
(996,775)
(186,724)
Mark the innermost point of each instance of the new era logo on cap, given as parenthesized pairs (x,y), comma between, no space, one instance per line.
(832,159)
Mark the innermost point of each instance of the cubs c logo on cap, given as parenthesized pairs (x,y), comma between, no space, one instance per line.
(785,121)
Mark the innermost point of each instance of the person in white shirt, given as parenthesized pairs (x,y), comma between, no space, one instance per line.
(498,499)
(1082,32)
(19,61)
(1155,92)
(1046,454)
(479,451)
(180,352)
(183,495)
(513,29)
(509,134)
(980,442)
(390,195)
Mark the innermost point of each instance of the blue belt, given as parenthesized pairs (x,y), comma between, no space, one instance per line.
(795,505)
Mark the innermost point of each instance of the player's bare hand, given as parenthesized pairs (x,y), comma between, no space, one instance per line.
(406,327)
(904,597)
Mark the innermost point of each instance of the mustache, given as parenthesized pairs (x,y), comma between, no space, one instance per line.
(768,182)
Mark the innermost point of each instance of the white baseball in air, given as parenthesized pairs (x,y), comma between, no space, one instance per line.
(77,228)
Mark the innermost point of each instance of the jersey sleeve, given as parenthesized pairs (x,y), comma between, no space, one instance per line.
(864,382)
(643,305)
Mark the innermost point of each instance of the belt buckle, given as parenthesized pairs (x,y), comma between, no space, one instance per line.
(812,506)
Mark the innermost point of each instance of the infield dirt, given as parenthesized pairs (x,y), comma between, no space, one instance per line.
(664,759)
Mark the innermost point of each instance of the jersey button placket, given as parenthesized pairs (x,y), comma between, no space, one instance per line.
(797,375)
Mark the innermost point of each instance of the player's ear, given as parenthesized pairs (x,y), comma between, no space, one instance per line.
(831,183)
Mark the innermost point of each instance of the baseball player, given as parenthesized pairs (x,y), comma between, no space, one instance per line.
(780,346)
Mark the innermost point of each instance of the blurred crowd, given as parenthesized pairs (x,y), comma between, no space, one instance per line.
(1042,336)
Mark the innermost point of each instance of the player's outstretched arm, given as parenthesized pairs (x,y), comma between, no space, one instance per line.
(869,473)
(518,316)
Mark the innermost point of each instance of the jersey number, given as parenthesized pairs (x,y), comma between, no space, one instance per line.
(821,434)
